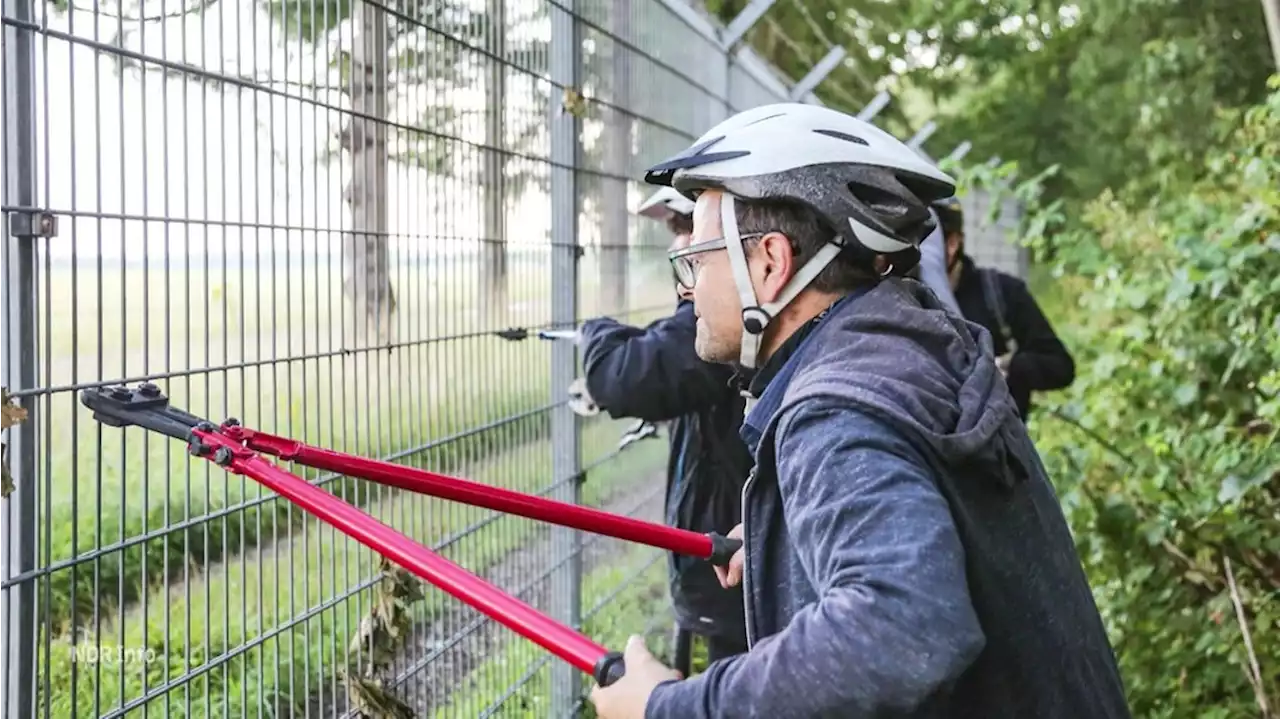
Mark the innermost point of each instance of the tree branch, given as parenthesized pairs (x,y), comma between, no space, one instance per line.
(1255,673)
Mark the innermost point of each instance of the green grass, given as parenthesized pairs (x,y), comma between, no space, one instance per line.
(630,597)
(240,601)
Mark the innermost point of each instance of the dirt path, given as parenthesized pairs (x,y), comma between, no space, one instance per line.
(443,651)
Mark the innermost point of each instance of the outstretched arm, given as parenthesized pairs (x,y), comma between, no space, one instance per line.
(893,622)
(650,373)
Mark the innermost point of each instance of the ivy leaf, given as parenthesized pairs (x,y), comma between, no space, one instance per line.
(1185,394)
(1230,489)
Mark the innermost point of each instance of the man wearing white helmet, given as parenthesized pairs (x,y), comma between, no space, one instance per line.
(652,373)
(905,554)
(673,209)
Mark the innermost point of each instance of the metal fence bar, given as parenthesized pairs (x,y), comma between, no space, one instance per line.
(818,73)
(19,357)
(745,19)
(565,428)
(873,108)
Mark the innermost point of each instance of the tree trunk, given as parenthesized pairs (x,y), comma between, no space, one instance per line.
(616,240)
(366,266)
(493,243)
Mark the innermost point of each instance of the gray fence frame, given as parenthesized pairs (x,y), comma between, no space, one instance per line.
(19,356)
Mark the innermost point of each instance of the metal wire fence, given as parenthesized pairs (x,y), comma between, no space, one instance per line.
(314,216)
(990,232)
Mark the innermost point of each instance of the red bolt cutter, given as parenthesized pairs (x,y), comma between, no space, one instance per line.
(238,449)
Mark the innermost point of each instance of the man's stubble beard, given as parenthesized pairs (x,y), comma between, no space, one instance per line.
(715,350)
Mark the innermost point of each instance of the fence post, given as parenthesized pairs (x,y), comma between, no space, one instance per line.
(873,108)
(615,241)
(917,140)
(19,235)
(566,580)
(494,260)
(729,38)
(740,24)
(818,73)
(961,150)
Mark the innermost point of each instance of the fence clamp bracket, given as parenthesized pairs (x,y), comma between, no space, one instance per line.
(33,224)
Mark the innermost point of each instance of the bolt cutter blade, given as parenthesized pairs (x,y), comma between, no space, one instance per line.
(143,406)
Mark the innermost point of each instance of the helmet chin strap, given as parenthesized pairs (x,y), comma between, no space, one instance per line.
(756,317)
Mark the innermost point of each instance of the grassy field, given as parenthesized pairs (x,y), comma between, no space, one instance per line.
(627,596)
(149,548)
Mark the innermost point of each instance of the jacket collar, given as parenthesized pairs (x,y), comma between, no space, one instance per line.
(769,384)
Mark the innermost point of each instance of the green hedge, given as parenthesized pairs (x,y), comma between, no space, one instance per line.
(1164,451)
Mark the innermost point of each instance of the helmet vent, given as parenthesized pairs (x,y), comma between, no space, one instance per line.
(843,136)
(763,119)
(879,200)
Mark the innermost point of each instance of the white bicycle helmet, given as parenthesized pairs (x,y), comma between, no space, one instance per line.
(871,190)
(665,202)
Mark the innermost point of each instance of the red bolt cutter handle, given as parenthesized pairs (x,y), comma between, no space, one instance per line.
(569,645)
(236,449)
(147,407)
(714,547)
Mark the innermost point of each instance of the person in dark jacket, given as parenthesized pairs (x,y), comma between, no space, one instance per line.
(652,373)
(1028,351)
(905,554)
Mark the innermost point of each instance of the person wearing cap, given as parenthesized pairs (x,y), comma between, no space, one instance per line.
(904,552)
(653,373)
(1028,351)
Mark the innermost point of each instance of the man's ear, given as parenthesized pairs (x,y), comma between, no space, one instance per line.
(775,264)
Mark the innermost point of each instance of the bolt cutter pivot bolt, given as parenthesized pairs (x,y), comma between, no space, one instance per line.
(222,456)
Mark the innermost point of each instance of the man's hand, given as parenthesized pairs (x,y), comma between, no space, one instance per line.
(580,400)
(1002,363)
(731,575)
(627,697)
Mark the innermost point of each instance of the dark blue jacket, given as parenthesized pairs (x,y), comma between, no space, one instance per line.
(1042,361)
(906,555)
(653,373)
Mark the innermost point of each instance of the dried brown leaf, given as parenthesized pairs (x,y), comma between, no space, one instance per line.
(10,414)
(371,699)
(6,481)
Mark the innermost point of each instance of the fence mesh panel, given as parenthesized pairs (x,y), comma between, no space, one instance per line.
(990,233)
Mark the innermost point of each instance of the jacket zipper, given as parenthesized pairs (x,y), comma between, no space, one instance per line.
(746,574)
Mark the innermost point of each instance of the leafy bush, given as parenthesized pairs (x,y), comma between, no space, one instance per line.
(1165,450)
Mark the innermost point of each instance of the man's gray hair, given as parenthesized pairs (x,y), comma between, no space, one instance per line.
(808,233)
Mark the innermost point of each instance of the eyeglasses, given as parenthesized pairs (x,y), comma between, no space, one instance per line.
(682,264)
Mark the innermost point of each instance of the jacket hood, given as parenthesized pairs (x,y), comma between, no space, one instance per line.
(898,354)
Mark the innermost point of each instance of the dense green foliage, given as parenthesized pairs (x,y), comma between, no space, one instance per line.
(1117,93)
(1165,449)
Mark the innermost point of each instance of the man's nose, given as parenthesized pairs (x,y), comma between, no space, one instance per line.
(684,292)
